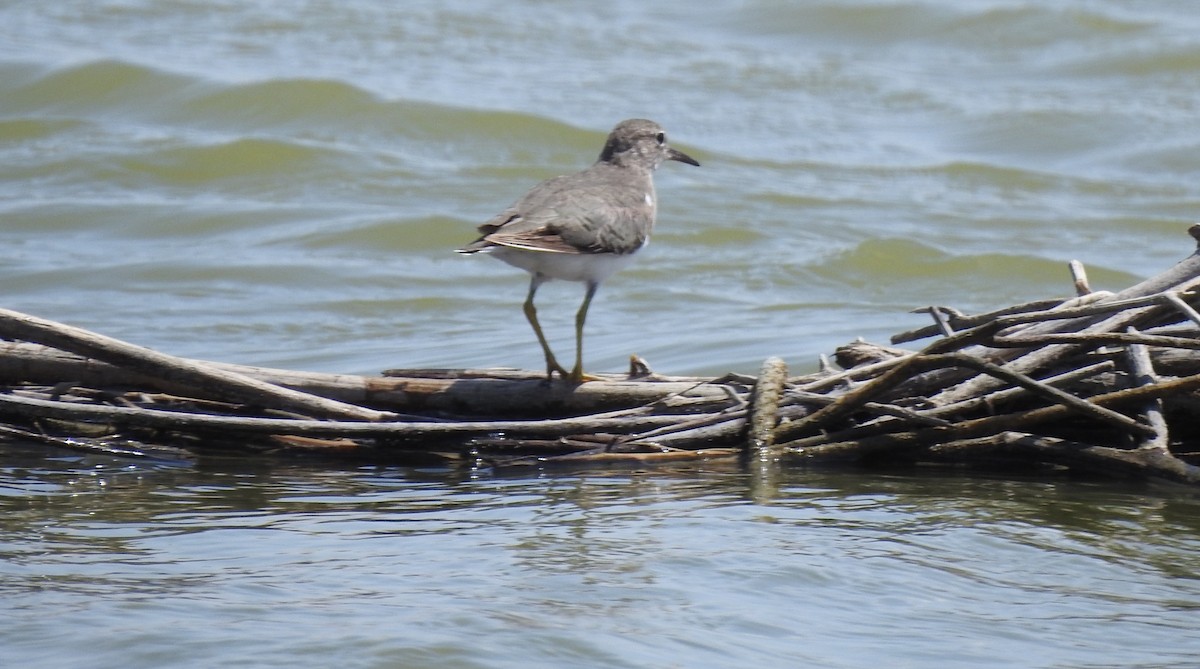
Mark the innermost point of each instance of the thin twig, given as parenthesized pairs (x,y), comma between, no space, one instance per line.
(1009,394)
(117,448)
(1095,339)
(1184,308)
(942,323)
(960,321)
(878,408)
(863,372)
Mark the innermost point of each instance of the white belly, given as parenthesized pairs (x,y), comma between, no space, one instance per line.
(586,267)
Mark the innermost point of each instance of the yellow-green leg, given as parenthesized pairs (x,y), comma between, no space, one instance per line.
(577,375)
(552,365)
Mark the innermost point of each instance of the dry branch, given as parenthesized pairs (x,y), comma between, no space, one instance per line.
(1142,370)
(452,392)
(178,420)
(189,373)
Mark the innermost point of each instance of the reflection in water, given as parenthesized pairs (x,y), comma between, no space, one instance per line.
(412,563)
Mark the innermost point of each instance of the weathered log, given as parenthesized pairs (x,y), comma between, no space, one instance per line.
(454,392)
(764,409)
(189,373)
(179,420)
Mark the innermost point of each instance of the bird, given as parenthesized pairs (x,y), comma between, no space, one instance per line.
(582,227)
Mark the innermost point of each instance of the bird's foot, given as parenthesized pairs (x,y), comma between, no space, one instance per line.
(552,368)
(577,376)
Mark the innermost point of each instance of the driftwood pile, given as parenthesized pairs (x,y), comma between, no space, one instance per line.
(1100,382)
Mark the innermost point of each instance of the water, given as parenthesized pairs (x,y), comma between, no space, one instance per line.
(240,564)
(281,184)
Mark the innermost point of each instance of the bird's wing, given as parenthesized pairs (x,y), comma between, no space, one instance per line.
(603,220)
(563,216)
(522,233)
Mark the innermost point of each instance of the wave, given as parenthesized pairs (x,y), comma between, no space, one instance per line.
(116,91)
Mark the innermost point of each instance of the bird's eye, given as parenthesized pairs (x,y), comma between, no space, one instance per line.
(662,138)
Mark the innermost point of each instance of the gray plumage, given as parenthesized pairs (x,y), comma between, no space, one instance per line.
(583,226)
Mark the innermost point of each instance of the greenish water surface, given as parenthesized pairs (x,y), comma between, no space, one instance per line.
(282,184)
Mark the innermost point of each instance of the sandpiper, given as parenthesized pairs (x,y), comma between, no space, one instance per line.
(583,226)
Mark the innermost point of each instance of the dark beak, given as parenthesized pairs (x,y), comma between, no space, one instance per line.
(673,154)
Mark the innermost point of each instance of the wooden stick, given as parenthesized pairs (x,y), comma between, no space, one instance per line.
(1095,339)
(1008,394)
(707,427)
(465,391)
(957,320)
(981,427)
(1142,370)
(1080,278)
(1184,308)
(863,372)
(877,408)
(1075,309)
(1087,306)
(608,458)
(181,421)
(16,325)
(853,400)
(1098,458)
(1183,277)
(1028,362)
(97,446)
(942,323)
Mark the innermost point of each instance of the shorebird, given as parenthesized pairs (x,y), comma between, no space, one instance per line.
(583,226)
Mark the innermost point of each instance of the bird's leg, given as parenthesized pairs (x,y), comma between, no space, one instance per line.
(577,375)
(552,365)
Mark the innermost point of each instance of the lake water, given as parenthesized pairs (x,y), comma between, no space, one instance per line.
(282,184)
